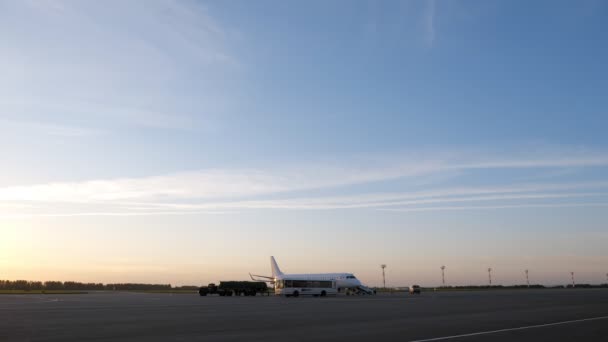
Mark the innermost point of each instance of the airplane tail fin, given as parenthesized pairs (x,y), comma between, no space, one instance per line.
(276,271)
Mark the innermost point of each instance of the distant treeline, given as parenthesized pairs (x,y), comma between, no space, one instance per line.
(535,286)
(26,285)
(493,287)
(472,287)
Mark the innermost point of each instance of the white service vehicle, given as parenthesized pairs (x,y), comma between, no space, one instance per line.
(296,288)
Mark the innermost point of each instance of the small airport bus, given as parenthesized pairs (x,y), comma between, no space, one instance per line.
(296,287)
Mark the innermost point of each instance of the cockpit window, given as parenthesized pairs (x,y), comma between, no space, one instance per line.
(350,277)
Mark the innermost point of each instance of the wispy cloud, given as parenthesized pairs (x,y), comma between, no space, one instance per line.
(234,183)
(109,213)
(285,187)
(507,206)
(354,202)
(44,128)
(210,184)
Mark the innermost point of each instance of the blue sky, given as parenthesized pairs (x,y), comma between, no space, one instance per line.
(336,136)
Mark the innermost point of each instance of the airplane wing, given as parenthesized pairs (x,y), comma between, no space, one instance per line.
(265,278)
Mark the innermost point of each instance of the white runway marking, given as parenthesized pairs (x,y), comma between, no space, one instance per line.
(510,329)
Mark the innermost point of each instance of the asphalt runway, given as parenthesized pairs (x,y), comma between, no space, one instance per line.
(518,315)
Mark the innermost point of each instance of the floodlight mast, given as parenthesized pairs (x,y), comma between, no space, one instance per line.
(383,266)
(443,275)
(573,283)
(527,279)
(490,275)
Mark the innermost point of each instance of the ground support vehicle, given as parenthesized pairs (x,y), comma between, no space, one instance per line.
(298,287)
(236,288)
(415,289)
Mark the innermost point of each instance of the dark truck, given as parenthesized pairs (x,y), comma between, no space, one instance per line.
(237,288)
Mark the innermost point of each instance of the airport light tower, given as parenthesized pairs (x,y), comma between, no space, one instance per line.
(490,275)
(527,279)
(443,275)
(383,266)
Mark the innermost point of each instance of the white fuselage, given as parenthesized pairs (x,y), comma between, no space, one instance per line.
(343,280)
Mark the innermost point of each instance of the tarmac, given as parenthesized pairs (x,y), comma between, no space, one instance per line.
(500,315)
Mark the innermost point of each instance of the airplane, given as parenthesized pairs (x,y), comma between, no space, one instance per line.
(344,281)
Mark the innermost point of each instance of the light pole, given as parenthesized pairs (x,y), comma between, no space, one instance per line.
(573,284)
(490,275)
(527,279)
(383,266)
(443,275)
